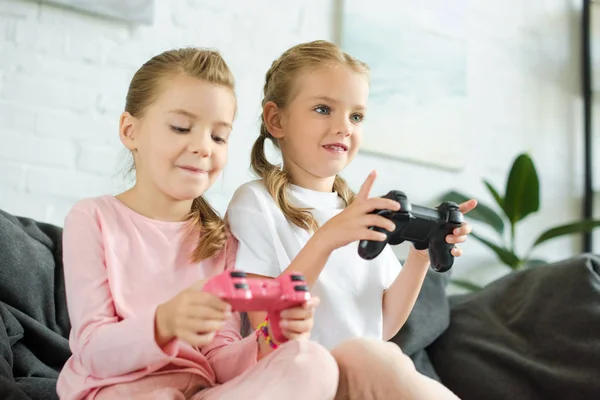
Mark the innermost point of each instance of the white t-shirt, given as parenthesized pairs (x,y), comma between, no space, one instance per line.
(350,288)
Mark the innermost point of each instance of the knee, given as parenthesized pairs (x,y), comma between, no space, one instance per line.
(368,355)
(312,363)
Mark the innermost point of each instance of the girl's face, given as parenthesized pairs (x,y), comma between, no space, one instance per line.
(180,143)
(321,128)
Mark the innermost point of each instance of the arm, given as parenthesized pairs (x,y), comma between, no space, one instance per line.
(261,252)
(105,344)
(311,259)
(399,299)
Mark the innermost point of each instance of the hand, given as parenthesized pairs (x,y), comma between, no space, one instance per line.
(297,322)
(193,316)
(353,223)
(459,235)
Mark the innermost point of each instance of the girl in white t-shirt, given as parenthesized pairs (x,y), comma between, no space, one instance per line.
(304,217)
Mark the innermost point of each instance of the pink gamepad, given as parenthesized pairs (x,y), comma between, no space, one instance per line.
(254,294)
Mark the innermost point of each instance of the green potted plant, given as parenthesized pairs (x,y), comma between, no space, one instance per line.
(521,198)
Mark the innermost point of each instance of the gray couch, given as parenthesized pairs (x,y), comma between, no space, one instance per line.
(531,335)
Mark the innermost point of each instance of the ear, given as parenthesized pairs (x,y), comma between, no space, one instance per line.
(127,135)
(272,115)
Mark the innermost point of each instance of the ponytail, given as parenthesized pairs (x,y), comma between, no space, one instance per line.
(276,180)
(213,234)
(343,190)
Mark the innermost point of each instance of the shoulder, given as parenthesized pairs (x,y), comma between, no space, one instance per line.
(250,196)
(91,207)
(102,211)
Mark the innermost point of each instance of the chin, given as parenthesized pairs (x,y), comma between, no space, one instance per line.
(186,195)
(328,171)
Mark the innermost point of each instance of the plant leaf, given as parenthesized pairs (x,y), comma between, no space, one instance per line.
(522,195)
(574,227)
(481,213)
(534,262)
(466,285)
(505,255)
(495,194)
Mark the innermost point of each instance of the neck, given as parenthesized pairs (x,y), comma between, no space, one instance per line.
(154,204)
(305,179)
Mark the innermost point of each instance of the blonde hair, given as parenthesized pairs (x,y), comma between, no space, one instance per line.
(279,88)
(145,87)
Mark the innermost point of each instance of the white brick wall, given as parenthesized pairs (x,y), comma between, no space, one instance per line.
(64,75)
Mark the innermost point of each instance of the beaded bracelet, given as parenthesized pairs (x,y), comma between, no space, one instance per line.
(264,329)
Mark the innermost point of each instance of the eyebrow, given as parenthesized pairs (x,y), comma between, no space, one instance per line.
(332,100)
(184,112)
(194,116)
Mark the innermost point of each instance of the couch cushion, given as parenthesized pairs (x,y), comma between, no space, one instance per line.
(428,320)
(533,334)
(34,323)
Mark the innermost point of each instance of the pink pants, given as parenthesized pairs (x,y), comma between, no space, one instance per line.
(297,370)
(369,369)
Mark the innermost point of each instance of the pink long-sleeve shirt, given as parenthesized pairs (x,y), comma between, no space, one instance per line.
(119,266)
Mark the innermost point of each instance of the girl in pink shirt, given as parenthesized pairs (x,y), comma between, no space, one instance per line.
(135,263)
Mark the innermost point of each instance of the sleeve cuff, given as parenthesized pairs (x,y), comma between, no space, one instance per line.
(157,354)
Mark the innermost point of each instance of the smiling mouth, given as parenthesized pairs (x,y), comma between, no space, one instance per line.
(193,170)
(337,148)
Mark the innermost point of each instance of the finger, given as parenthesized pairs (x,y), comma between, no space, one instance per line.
(290,335)
(456,251)
(313,303)
(456,239)
(380,203)
(203,325)
(365,188)
(467,206)
(297,326)
(297,313)
(370,234)
(379,221)
(465,229)
(201,311)
(212,301)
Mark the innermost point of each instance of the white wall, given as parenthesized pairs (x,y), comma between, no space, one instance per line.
(63,78)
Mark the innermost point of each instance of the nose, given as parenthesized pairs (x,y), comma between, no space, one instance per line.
(343,126)
(201,144)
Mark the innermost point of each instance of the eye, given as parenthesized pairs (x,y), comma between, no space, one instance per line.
(219,139)
(179,129)
(357,117)
(322,109)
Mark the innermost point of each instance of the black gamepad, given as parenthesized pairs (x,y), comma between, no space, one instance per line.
(424,227)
